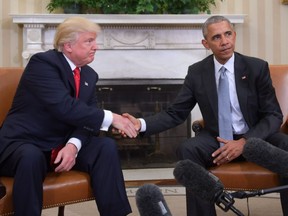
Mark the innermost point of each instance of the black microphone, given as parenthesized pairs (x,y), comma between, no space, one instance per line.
(204,185)
(150,201)
(266,155)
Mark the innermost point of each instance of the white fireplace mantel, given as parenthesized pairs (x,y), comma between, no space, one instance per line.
(122,18)
(130,46)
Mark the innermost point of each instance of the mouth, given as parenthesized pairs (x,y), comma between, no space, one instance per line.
(225,50)
(92,54)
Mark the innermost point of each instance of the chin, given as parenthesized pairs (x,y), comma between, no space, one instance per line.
(90,59)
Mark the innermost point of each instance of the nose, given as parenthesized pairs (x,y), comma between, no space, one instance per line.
(95,45)
(224,40)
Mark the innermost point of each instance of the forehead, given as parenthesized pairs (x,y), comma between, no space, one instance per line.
(86,35)
(218,28)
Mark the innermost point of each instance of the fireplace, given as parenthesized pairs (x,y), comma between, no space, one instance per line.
(141,98)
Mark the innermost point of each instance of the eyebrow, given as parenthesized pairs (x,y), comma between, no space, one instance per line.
(217,35)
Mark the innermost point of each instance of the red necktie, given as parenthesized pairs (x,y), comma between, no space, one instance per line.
(77,80)
(54,154)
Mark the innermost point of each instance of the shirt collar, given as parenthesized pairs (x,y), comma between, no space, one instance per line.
(71,64)
(229,65)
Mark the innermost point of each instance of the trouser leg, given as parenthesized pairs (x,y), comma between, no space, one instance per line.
(28,165)
(198,150)
(101,160)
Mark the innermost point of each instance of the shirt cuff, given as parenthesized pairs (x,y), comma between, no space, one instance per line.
(75,142)
(143,125)
(107,121)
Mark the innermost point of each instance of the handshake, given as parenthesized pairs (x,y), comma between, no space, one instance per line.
(126,125)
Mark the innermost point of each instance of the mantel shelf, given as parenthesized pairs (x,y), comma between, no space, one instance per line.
(167,19)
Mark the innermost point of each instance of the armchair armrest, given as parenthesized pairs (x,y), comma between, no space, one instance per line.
(2,190)
(197,126)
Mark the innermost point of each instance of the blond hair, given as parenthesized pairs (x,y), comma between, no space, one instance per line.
(70,28)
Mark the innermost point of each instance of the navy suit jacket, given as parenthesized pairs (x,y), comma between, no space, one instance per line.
(45,111)
(255,92)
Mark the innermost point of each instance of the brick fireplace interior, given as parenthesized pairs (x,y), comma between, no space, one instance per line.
(141,98)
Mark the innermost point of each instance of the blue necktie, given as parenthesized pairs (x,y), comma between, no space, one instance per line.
(224,108)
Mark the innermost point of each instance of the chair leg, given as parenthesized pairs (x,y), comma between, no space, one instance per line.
(61,210)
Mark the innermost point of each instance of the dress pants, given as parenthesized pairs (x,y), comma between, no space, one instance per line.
(198,149)
(28,165)
(99,158)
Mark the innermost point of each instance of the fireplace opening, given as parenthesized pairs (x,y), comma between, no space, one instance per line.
(142,98)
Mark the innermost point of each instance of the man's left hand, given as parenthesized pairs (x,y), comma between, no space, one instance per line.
(231,150)
(66,158)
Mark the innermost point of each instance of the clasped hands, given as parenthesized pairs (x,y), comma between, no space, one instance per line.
(126,125)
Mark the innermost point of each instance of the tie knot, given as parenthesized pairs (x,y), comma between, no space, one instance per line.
(222,70)
(76,70)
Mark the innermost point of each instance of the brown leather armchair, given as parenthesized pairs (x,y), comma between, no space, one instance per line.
(246,175)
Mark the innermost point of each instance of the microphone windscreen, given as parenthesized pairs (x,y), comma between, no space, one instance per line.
(198,180)
(150,201)
(266,155)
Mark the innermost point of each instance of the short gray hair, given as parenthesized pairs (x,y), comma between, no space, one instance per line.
(212,20)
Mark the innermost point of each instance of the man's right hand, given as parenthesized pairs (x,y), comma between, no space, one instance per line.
(135,121)
(125,125)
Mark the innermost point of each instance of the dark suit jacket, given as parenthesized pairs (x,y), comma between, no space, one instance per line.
(255,92)
(45,111)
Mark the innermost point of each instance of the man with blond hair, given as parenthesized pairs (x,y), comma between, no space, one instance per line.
(53,111)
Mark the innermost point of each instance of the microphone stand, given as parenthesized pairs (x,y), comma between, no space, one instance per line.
(225,201)
(247,194)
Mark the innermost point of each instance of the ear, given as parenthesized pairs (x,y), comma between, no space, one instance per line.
(67,47)
(205,44)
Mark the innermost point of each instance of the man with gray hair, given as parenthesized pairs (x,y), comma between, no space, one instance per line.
(252,107)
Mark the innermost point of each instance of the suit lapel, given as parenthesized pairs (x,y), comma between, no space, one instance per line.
(86,84)
(241,82)
(69,73)
(209,81)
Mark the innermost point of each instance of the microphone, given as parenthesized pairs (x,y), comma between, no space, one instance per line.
(204,185)
(150,201)
(266,155)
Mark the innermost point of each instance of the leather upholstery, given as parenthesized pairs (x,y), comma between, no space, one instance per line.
(59,190)
(246,175)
